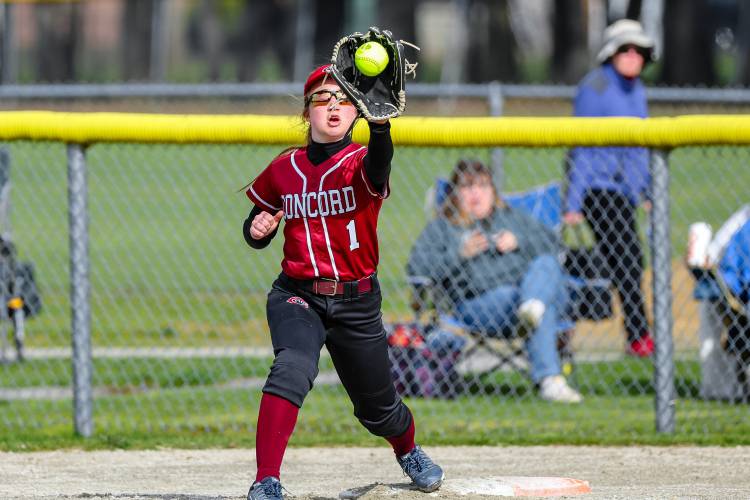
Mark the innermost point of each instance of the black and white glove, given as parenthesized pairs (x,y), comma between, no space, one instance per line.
(376,97)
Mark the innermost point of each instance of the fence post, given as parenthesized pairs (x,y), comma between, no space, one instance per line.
(495,101)
(78,219)
(303,45)
(661,252)
(159,42)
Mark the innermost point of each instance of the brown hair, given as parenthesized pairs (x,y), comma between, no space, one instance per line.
(466,168)
(304,122)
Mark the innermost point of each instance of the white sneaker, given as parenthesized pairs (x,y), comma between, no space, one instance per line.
(530,313)
(555,388)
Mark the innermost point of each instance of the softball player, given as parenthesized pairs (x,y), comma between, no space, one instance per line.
(329,194)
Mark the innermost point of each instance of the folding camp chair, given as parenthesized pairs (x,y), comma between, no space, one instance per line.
(544,203)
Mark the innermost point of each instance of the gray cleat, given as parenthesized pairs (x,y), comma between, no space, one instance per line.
(269,488)
(425,474)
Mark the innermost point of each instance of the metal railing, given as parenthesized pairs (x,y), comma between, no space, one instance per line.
(491,91)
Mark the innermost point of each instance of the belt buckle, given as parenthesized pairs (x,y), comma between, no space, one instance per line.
(333,290)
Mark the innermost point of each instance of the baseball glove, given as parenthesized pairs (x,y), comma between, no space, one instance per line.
(376,97)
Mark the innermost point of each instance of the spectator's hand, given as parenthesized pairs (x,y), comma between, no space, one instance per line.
(506,242)
(474,244)
(572,218)
(264,224)
(647,205)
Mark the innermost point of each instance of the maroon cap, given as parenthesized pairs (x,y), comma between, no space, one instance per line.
(316,76)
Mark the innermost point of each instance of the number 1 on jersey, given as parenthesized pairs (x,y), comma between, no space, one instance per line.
(353,243)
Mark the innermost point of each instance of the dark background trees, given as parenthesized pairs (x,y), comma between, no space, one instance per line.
(702,42)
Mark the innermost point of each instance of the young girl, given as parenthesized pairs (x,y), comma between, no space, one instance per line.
(329,194)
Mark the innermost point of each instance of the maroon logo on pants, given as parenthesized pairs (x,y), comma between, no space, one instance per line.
(298,301)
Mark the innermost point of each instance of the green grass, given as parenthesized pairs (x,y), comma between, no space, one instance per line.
(120,374)
(136,372)
(498,409)
(601,421)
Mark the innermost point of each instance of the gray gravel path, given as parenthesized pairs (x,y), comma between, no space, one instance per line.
(323,473)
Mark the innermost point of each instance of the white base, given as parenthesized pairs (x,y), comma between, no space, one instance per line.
(519,486)
(508,486)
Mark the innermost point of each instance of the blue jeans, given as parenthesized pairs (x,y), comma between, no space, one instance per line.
(494,312)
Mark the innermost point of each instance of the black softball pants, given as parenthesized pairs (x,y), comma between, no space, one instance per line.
(351,328)
(611,217)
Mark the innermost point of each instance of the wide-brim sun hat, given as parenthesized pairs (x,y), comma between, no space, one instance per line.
(625,32)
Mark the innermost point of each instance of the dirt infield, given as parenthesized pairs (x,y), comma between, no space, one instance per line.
(322,473)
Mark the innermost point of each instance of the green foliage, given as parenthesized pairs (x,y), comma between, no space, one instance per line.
(534,69)
(618,410)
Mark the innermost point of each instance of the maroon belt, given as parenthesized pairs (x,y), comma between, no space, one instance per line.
(331,287)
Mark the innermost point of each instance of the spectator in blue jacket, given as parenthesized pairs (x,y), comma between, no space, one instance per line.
(606,185)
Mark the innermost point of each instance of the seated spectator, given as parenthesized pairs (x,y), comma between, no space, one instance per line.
(499,268)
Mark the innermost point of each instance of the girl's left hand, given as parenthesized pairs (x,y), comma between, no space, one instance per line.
(264,224)
(506,242)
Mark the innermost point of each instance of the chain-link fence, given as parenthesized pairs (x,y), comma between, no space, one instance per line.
(179,340)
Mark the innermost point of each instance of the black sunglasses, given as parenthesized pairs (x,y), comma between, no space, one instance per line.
(626,48)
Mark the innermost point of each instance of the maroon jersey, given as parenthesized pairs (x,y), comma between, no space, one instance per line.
(330,213)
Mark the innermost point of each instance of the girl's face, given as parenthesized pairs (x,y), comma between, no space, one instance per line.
(476,195)
(628,61)
(329,112)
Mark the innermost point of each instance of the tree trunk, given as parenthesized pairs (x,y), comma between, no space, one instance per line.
(58,27)
(136,42)
(634,10)
(742,76)
(398,17)
(688,44)
(491,43)
(569,55)
(267,30)
(330,16)
(212,38)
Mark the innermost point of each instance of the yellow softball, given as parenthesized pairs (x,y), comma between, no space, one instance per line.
(371,58)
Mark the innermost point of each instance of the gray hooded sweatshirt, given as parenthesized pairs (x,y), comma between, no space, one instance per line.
(437,253)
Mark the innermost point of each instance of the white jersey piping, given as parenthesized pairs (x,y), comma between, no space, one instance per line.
(304,219)
(263,201)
